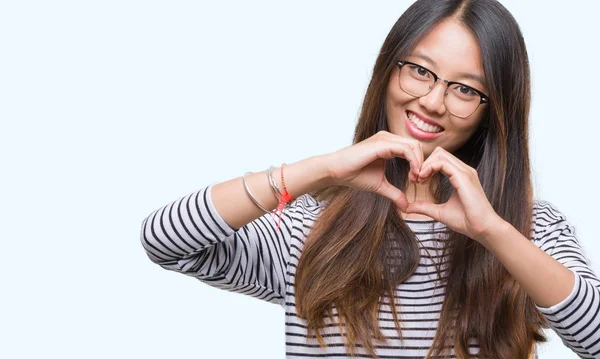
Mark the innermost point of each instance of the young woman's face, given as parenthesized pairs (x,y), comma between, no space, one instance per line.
(450,51)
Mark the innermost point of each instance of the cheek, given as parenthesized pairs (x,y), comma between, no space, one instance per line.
(461,133)
(466,127)
(396,99)
(400,100)
(395,106)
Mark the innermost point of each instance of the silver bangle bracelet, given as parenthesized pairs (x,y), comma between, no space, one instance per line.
(274,185)
(251,196)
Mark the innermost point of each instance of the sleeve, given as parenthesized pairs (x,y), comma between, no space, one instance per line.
(190,237)
(577,318)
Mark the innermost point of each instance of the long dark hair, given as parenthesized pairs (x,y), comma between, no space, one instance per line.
(359,235)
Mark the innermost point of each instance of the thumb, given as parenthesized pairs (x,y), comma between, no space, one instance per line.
(426,208)
(393,193)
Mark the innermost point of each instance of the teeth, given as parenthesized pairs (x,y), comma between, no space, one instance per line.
(422,125)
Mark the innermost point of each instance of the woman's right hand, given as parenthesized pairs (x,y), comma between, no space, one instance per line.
(362,165)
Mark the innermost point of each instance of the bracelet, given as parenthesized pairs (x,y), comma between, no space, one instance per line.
(285,191)
(284,199)
(274,185)
(251,196)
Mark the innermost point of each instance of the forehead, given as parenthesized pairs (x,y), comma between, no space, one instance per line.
(452,47)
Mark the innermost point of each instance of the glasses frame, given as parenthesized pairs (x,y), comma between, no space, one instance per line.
(484,99)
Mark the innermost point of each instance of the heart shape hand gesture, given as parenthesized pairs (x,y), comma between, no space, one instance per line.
(468,210)
(362,166)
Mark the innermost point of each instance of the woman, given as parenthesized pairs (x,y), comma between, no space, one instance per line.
(422,239)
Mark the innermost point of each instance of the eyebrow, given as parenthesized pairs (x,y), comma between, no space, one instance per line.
(464,75)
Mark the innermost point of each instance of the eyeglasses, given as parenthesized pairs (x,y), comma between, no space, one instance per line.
(460,100)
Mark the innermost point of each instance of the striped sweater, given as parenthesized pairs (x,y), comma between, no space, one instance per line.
(190,237)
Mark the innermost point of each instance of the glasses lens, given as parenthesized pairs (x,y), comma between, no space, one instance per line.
(462,100)
(416,80)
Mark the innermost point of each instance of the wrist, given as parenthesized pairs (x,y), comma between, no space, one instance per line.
(497,228)
(322,175)
(305,176)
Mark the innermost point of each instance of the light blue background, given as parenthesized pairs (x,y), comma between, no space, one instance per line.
(112,109)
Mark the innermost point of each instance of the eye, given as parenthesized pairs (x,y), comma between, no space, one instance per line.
(466,90)
(419,71)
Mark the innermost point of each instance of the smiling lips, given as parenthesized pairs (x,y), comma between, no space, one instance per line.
(421,130)
(423,125)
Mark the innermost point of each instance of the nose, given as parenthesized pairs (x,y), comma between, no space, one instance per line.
(434,100)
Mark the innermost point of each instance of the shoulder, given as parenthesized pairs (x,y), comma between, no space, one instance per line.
(550,225)
(306,209)
(546,214)
(307,205)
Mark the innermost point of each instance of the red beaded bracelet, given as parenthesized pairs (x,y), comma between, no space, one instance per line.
(285,198)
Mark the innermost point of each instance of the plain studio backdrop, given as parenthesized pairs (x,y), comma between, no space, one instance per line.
(112,109)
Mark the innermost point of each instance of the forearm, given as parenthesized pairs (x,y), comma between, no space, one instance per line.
(237,209)
(547,281)
(188,236)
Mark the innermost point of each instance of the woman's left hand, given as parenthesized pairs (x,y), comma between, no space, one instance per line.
(468,210)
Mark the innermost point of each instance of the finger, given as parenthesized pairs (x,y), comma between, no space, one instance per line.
(422,177)
(422,156)
(416,168)
(454,160)
(439,154)
(443,165)
(393,149)
(394,194)
(418,150)
(426,208)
